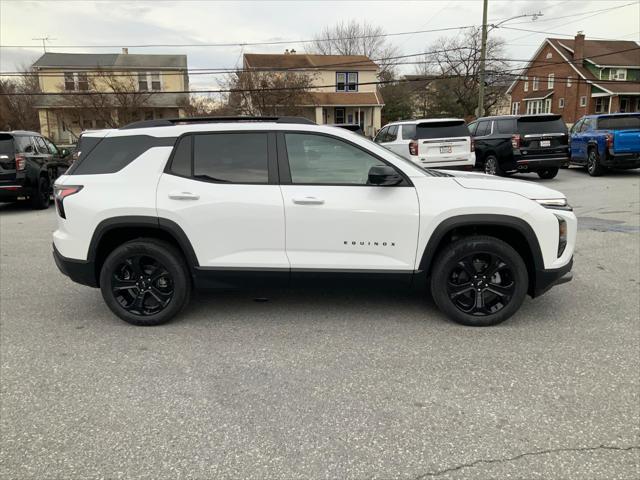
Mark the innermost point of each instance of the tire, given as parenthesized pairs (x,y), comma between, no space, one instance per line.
(491,166)
(457,277)
(594,168)
(41,198)
(548,173)
(149,301)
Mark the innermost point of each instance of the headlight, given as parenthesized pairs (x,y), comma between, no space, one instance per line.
(562,235)
(555,203)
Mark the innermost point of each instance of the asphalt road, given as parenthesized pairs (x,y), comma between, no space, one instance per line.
(320,384)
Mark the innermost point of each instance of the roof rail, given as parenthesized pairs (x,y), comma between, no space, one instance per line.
(166,122)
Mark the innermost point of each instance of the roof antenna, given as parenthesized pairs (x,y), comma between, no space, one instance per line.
(44,39)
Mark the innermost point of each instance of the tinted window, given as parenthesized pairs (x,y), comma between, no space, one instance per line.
(484,128)
(473,127)
(6,144)
(504,126)
(113,153)
(577,126)
(381,135)
(631,122)
(23,144)
(42,148)
(442,129)
(392,134)
(181,163)
(322,160)
(541,124)
(53,150)
(408,132)
(231,157)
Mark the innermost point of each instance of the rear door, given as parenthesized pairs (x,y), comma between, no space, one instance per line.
(575,142)
(222,189)
(543,136)
(335,220)
(442,142)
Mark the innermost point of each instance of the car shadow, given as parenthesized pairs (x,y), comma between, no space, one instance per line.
(17,207)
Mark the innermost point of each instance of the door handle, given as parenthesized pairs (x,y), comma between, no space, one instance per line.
(183,196)
(308,201)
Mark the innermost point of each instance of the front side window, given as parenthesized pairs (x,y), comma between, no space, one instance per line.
(392,134)
(346,81)
(382,134)
(231,157)
(51,147)
(322,160)
(40,145)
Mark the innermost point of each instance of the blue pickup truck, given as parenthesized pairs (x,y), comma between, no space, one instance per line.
(599,142)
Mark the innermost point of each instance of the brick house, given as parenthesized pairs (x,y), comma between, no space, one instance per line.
(343,86)
(577,77)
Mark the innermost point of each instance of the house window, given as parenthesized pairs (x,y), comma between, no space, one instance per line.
(620,74)
(549,55)
(534,83)
(538,106)
(83,82)
(74,81)
(526,84)
(583,101)
(569,81)
(143,85)
(602,105)
(550,81)
(625,103)
(515,108)
(155,81)
(69,82)
(339,115)
(547,105)
(346,81)
(561,103)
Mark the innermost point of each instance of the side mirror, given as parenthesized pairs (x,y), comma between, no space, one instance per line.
(383,175)
(64,152)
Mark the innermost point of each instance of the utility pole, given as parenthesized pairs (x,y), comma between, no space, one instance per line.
(44,39)
(483,55)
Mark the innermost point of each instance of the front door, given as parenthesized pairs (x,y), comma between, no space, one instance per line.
(339,115)
(335,220)
(221,189)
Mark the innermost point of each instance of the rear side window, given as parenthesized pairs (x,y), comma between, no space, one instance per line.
(181,163)
(112,154)
(24,145)
(6,145)
(231,157)
(541,124)
(505,126)
(409,132)
(456,128)
(631,122)
(484,128)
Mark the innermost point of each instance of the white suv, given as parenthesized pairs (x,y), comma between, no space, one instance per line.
(439,142)
(153,209)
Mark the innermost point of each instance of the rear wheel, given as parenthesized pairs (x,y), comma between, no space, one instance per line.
(479,281)
(145,282)
(491,166)
(548,173)
(594,167)
(41,197)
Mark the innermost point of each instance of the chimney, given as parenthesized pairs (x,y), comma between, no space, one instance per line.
(286,52)
(578,47)
(125,51)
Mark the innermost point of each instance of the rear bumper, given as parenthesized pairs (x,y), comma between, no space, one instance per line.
(534,164)
(80,271)
(545,279)
(12,190)
(621,160)
(462,161)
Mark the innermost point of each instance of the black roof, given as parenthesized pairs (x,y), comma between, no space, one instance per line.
(109,60)
(166,122)
(516,117)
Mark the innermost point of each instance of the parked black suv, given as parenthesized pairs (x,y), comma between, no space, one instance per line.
(29,164)
(521,143)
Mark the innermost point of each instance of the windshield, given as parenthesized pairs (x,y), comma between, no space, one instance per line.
(454,128)
(627,122)
(541,124)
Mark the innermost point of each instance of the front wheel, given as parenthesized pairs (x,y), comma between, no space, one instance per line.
(548,173)
(479,281)
(145,282)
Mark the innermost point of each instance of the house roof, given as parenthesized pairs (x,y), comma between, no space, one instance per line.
(156,100)
(539,95)
(306,61)
(363,99)
(109,60)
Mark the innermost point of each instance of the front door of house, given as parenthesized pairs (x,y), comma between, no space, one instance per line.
(339,115)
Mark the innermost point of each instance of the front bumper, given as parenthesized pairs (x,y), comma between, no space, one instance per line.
(545,279)
(80,271)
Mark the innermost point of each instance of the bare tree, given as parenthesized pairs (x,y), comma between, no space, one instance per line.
(270,92)
(455,65)
(205,106)
(353,38)
(17,111)
(111,98)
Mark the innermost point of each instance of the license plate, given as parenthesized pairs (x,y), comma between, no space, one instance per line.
(445,149)
(545,143)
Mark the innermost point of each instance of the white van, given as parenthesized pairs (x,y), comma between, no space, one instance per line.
(435,142)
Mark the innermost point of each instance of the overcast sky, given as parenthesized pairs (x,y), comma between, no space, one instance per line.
(171,21)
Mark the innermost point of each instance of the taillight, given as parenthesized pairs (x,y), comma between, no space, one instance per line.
(515,140)
(473,145)
(609,140)
(21,162)
(60,192)
(413,147)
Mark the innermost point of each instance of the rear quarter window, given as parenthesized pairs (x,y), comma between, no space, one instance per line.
(6,145)
(442,130)
(631,122)
(111,154)
(505,126)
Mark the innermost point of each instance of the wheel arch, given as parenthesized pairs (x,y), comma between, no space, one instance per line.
(512,230)
(112,232)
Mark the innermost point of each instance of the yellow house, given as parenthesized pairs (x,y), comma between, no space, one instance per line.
(343,86)
(107,90)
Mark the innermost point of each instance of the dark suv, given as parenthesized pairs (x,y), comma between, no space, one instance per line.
(521,143)
(29,163)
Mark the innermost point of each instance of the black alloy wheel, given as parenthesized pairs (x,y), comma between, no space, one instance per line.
(491,166)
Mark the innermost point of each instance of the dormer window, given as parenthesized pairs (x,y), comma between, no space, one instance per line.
(619,74)
(346,81)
